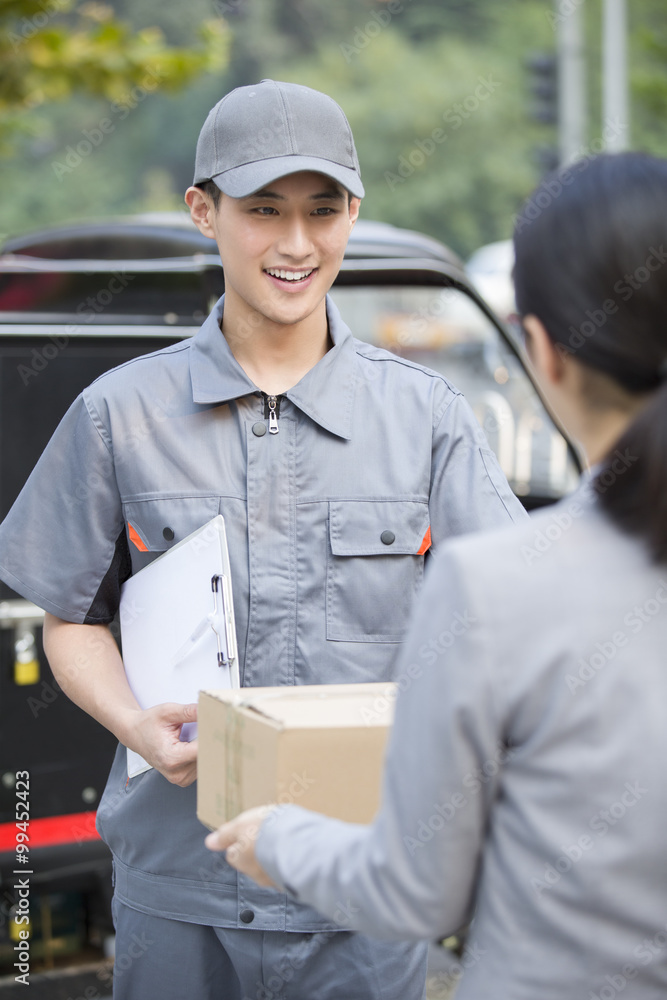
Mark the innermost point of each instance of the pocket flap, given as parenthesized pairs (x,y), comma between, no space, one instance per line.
(377,527)
(154,525)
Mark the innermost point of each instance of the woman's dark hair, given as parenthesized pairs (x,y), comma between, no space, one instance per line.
(591,264)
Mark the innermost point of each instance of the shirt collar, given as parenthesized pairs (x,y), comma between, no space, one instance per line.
(325,393)
(216,375)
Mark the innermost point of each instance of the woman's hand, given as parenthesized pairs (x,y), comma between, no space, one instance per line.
(238,838)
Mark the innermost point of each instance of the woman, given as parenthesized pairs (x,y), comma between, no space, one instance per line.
(525,778)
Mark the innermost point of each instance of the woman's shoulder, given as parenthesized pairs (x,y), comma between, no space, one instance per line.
(565,548)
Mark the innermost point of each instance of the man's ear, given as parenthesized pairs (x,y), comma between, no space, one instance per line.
(201,210)
(355,204)
(547,357)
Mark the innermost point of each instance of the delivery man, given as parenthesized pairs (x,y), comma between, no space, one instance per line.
(335,465)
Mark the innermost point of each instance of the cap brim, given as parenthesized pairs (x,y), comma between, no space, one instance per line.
(239,182)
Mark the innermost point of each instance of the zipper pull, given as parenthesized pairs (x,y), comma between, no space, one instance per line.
(273,416)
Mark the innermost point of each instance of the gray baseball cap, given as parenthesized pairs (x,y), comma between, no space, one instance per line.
(257,134)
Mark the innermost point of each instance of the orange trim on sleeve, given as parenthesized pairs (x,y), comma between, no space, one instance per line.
(134,537)
(426,542)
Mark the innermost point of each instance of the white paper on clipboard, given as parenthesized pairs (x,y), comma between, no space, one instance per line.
(177,626)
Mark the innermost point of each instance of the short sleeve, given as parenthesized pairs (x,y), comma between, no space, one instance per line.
(469,491)
(63,544)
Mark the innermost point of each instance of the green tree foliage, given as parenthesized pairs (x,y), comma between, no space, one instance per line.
(401,69)
(649,76)
(53,49)
(440,123)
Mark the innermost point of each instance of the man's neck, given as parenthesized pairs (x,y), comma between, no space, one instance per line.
(275,356)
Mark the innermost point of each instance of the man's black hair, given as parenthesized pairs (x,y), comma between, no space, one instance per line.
(212,190)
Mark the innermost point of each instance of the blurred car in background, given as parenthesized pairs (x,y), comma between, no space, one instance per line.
(490,270)
(78,300)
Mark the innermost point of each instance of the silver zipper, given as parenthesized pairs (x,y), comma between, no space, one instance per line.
(273,419)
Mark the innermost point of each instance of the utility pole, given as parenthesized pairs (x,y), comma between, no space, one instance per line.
(615,105)
(572,103)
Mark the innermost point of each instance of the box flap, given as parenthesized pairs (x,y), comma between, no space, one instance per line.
(317,706)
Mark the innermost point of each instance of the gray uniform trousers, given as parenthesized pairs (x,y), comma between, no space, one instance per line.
(158,959)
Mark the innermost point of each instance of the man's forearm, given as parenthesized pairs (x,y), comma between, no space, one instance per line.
(87,665)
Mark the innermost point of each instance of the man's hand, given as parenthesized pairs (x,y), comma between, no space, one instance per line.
(154,733)
(238,838)
(87,665)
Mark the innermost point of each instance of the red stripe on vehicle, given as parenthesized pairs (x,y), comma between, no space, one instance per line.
(50,830)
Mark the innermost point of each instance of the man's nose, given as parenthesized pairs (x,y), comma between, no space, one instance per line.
(295,240)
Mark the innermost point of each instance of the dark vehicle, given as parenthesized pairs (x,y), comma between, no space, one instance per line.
(77,301)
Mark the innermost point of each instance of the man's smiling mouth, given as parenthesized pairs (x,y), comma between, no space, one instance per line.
(276,272)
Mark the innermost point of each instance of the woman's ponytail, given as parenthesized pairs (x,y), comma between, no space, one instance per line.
(632,483)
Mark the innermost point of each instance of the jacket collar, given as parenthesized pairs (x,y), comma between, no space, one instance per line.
(325,393)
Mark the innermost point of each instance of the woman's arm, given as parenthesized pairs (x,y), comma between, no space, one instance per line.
(412,873)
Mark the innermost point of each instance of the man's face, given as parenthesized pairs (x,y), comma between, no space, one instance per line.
(282,247)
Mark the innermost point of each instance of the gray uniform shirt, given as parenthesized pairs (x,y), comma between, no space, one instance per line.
(327,523)
(526,770)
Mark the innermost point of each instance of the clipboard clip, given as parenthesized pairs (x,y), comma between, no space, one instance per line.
(223,616)
(220,620)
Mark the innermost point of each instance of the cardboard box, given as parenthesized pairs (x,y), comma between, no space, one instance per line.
(318,746)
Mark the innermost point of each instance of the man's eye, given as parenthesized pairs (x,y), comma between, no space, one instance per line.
(265,210)
(325,210)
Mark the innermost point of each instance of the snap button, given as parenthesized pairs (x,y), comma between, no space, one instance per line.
(387,537)
(259,429)
(246,916)
(168,533)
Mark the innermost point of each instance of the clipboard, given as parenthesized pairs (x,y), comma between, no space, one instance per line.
(177,626)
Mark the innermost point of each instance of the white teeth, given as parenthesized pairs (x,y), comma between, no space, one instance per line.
(289,275)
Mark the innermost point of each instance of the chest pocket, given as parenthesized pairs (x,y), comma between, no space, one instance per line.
(155,524)
(373,567)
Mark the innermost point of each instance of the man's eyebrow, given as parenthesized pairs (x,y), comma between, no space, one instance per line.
(331,194)
(265,193)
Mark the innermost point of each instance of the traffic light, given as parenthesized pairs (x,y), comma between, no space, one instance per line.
(543,87)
